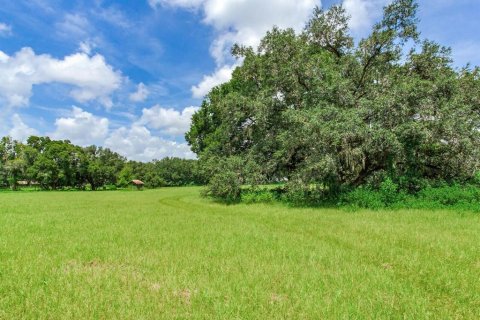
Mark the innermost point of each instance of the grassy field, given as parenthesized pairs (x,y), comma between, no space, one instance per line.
(169,254)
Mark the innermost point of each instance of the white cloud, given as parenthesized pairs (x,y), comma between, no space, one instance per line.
(363,12)
(220,76)
(256,17)
(73,26)
(91,77)
(82,128)
(244,22)
(87,46)
(137,143)
(168,121)
(113,16)
(176,3)
(249,15)
(141,94)
(20,131)
(5,29)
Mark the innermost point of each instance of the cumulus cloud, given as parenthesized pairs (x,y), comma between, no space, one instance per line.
(91,77)
(138,143)
(20,131)
(363,12)
(244,22)
(220,76)
(82,128)
(168,121)
(141,94)
(87,46)
(135,141)
(249,15)
(5,29)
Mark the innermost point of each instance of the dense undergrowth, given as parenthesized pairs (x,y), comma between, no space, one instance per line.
(387,196)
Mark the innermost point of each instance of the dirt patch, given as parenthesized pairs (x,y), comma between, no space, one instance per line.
(387,266)
(185,295)
(277,298)
(155,287)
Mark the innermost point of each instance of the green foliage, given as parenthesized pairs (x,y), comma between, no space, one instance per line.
(60,165)
(168,172)
(299,194)
(454,197)
(476,178)
(226,181)
(225,186)
(388,195)
(451,196)
(326,115)
(363,198)
(125,176)
(389,192)
(258,195)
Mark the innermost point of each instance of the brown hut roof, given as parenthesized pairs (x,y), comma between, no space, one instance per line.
(138,182)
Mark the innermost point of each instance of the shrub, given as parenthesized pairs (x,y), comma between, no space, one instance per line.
(451,195)
(476,178)
(300,194)
(389,192)
(363,198)
(258,196)
(225,186)
(387,195)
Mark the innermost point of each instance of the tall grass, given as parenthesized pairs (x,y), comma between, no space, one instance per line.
(171,254)
(388,196)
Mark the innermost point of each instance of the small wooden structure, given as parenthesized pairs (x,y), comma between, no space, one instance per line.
(137,183)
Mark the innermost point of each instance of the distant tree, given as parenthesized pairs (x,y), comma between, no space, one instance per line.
(57,164)
(15,171)
(125,176)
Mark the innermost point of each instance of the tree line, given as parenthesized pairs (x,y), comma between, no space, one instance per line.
(324,113)
(59,164)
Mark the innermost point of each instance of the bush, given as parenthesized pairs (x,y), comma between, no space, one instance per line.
(476,178)
(363,198)
(389,192)
(451,195)
(299,194)
(444,197)
(258,196)
(225,186)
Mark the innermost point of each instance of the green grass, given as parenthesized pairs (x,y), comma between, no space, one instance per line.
(169,254)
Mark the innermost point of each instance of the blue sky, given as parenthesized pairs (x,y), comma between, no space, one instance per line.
(129,74)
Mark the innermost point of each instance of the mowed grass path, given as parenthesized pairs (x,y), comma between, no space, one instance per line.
(170,254)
